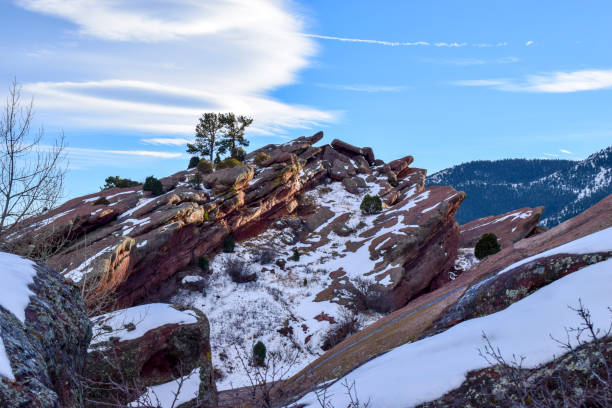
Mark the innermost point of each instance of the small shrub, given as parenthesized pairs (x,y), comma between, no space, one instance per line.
(228,163)
(238,153)
(101,201)
(266,255)
(193,162)
(305,283)
(229,244)
(487,245)
(204,264)
(239,270)
(259,353)
(371,204)
(205,166)
(296,255)
(348,323)
(153,185)
(196,181)
(368,295)
(116,181)
(260,158)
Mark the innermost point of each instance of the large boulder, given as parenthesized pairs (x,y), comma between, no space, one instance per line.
(346,148)
(509,227)
(230,178)
(149,345)
(44,333)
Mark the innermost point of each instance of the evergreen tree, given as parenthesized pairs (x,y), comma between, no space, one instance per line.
(487,245)
(209,131)
(259,353)
(233,138)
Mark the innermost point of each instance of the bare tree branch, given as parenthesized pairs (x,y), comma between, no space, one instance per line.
(31,174)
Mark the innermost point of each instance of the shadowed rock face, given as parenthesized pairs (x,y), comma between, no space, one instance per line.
(502,290)
(137,244)
(48,352)
(160,355)
(509,227)
(495,386)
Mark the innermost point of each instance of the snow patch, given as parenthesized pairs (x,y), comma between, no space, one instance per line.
(442,361)
(174,392)
(143,317)
(600,241)
(192,278)
(515,216)
(17,274)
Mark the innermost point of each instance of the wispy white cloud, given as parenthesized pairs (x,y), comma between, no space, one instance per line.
(450,45)
(401,43)
(168,141)
(565,151)
(470,61)
(159,65)
(80,151)
(489,45)
(363,87)
(555,82)
(377,42)
(550,155)
(528,43)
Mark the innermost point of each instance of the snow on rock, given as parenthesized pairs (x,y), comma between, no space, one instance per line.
(144,318)
(444,360)
(509,227)
(191,279)
(171,394)
(600,241)
(44,333)
(17,274)
(281,306)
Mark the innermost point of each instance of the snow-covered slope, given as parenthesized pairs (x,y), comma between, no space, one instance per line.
(439,364)
(281,307)
(565,188)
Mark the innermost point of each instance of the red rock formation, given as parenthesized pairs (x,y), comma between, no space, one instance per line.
(161,354)
(136,245)
(509,227)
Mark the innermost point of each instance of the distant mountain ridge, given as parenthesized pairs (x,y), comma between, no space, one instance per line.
(564,187)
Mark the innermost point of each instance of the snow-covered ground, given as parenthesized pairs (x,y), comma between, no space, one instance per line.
(17,274)
(173,393)
(282,299)
(427,369)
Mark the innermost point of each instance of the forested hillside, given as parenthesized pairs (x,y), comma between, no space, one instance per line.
(564,187)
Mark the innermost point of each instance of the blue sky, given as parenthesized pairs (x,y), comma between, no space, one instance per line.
(445,81)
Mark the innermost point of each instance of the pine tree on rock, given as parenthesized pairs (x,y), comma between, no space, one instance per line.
(209,132)
(233,138)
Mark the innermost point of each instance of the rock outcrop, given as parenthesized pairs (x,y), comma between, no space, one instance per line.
(479,291)
(150,345)
(45,332)
(136,245)
(509,227)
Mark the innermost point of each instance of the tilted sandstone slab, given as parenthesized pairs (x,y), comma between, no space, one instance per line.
(414,241)
(509,227)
